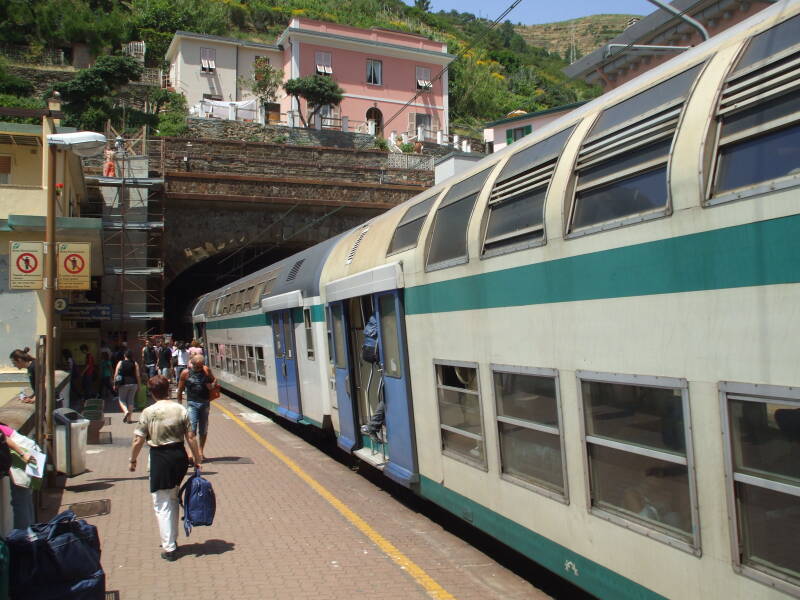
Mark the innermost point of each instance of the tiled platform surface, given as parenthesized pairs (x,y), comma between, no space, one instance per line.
(274,536)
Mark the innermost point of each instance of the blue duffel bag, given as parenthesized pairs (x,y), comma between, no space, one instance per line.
(57,559)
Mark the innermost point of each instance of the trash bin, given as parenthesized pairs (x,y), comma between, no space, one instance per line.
(71,429)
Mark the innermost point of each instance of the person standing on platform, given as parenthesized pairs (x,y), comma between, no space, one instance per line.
(126,381)
(195,348)
(198,382)
(149,358)
(87,374)
(181,358)
(22,360)
(21,493)
(164,426)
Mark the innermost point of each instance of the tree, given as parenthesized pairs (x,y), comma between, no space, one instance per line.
(264,82)
(317,91)
(423,5)
(89,97)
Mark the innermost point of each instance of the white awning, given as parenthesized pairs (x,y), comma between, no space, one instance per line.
(379,279)
(292,299)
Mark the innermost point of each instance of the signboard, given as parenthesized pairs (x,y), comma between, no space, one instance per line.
(87,311)
(74,265)
(26,265)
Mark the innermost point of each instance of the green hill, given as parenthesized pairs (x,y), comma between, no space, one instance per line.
(497,72)
(576,37)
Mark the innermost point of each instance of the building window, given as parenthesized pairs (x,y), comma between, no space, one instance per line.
(517,133)
(208,60)
(460,417)
(323,62)
(5,169)
(374,72)
(216,97)
(259,62)
(309,333)
(639,458)
(529,428)
(762,424)
(424,78)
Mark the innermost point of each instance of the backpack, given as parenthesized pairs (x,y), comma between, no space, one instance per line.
(369,348)
(199,502)
(5,455)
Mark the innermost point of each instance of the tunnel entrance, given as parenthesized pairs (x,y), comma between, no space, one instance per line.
(209,274)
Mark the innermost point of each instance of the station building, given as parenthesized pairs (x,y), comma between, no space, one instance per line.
(379,70)
(24,185)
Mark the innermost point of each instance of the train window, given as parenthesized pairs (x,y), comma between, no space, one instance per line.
(242,352)
(407,233)
(390,342)
(638,447)
(228,359)
(621,172)
(309,333)
(235,360)
(460,417)
(239,300)
(276,336)
(448,242)
(338,335)
(762,424)
(758,120)
(247,298)
(516,204)
(261,374)
(529,428)
(288,335)
(251,362)
(225,305)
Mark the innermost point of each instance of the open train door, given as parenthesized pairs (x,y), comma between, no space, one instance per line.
(352,301)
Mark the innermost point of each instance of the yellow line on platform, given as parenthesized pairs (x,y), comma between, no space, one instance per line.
(433,589)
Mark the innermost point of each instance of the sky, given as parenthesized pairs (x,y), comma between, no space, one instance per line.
(543,11)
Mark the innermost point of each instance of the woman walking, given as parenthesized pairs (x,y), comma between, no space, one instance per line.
(126,381)
(164,426)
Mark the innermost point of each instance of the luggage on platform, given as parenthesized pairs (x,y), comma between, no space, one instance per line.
(59,559)
(199,502)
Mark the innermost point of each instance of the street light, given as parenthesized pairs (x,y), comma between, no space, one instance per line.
(81,143)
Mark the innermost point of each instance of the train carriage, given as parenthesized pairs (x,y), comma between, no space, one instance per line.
(589,341)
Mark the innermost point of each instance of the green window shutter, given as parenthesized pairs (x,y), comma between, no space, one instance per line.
(528,129)
(509,136)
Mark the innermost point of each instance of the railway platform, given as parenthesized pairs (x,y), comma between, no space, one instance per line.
(291,523)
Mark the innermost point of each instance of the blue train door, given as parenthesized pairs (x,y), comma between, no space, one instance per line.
(286,365)
(402,466)
(348,436)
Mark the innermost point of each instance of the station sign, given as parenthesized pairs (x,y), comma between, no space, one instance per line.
(74,265)
(26,265)
(86,311)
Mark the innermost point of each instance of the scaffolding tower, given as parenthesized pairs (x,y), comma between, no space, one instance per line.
(131,205)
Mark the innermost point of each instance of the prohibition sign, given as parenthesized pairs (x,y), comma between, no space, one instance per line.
(27,262)
(74,263)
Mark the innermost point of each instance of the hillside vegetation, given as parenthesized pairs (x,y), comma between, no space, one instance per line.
(576,37)
(497,72)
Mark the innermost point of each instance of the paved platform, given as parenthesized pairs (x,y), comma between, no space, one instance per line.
(292,524)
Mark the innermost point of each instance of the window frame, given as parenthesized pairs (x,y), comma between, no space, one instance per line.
(422,84)
(534,372)
(208,64)
(620,131)
(444,451)
(380,72)
(434,199)
(757,393)
(715,141)
(308,326)
(326,62)
(261,374)
(250,355)
(694,548)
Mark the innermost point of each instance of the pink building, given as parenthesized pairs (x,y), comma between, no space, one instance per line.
(380,71)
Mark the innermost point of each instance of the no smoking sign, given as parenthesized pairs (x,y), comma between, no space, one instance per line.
(74,263)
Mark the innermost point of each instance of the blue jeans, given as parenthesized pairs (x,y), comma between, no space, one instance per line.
(151,371)
(198,416)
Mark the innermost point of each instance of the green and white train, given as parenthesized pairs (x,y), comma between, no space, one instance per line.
(589,343)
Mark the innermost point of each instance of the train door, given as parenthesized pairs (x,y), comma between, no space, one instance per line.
(286,365)
(360,384)
(348,436)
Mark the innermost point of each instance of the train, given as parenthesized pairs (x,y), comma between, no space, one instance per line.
(587,343)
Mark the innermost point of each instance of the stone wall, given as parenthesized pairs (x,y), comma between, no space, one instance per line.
(42,77)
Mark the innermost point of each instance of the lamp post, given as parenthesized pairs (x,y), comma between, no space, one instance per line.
(82,143)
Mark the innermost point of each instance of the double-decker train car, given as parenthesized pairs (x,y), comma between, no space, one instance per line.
(587,343)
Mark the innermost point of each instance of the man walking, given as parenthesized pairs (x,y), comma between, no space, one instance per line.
(149,358)
(198,382)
